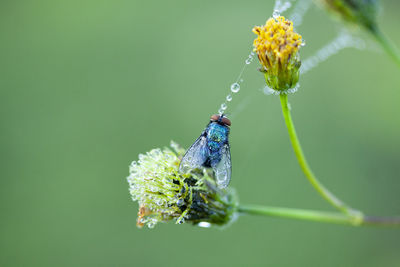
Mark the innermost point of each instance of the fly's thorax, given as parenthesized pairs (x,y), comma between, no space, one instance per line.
(217,133)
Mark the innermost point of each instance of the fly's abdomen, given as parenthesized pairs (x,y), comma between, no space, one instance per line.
(214,151)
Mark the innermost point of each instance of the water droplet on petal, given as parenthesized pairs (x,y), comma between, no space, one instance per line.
(235,87)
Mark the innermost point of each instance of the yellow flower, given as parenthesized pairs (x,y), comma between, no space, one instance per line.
(277,46)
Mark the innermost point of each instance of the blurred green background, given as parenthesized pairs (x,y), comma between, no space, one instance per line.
(88,85)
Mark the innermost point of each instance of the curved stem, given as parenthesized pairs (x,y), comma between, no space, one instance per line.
(386,44)
(325,193)
(319,216)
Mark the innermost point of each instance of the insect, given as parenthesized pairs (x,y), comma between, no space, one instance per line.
(211,149)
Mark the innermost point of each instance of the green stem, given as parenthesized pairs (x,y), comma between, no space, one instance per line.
(325,193)
(319,216)
(386,44)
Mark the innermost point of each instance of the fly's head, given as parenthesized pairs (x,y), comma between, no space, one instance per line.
(220,119)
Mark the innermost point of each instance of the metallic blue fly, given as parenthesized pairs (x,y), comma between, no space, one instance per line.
(211,149)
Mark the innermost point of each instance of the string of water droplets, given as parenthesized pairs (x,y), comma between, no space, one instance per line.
(279,7)
(282,6)
(299,10)
(235,87)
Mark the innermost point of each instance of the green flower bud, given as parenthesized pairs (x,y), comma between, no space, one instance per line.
(164,194)
(359,12)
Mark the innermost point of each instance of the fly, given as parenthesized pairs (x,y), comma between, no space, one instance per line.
(211,150)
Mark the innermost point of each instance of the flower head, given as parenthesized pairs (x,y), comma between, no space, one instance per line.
(164,194)
(277,46)
(359,12)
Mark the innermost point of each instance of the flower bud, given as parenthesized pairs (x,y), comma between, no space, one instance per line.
(164,194)
(277,47)
(359,12)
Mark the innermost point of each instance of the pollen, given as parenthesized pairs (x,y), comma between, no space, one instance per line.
(276,41)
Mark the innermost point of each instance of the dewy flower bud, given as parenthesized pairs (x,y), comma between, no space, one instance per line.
(277,47)
(360,12)
(164,194)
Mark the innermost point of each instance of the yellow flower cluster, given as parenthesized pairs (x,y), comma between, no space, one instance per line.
(276,41)
(277,47)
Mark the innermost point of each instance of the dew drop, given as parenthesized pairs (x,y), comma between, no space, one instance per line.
(250,58)
(303,42)
(179,202)
(229,98)
(235,87)
(204,224)
(268,91)
(276,14)
(134,164)
(223,106)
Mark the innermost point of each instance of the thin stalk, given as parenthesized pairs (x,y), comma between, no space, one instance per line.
(324,192)
(386,44)
(319,216)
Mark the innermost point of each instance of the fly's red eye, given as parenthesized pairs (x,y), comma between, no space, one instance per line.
(226,121)
(214,117)
(223,120)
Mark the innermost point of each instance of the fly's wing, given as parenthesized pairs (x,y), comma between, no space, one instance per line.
(195,156)
(223,168)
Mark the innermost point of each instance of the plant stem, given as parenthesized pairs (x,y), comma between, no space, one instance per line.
(325,193)
(319,216)
(386,44)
